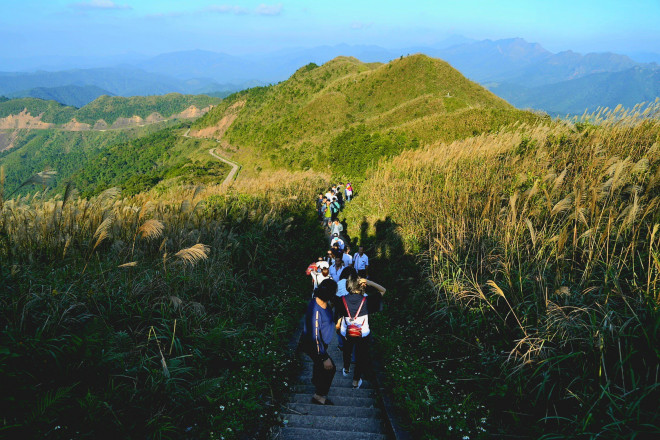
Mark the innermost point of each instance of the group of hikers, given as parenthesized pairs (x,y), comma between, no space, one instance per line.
(341,302)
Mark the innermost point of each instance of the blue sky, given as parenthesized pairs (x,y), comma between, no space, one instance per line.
(108,27)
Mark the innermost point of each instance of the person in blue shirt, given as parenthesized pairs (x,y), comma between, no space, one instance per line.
(317,334)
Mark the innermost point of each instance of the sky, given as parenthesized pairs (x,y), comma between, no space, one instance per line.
(34,28)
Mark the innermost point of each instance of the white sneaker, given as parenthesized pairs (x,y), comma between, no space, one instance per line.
(345,372)
(355,387)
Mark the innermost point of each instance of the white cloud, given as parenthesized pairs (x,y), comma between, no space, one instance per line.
(99,4)
(264,9)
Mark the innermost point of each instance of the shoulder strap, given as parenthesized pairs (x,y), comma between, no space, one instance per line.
(343,298)
(361,304)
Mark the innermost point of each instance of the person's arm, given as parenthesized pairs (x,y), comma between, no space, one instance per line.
(377,286)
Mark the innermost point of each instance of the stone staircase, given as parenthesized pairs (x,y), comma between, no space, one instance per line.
(355,414)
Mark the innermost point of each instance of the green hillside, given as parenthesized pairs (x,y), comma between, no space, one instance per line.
(108,108)
(140,164)
(52,112)
(63,151)
(406,102)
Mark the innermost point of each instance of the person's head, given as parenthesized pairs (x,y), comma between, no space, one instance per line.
(361,250)
(347,272)
(336,253)
(326,290)
(353,284)
(324,266)
(335,235)
(336,222)
(327,201)
(339,261)
(347,250)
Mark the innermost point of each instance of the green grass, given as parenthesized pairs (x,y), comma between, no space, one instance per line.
(158,348)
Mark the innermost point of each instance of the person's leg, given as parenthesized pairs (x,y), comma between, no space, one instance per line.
(349,343)
(325,379)
(361,358)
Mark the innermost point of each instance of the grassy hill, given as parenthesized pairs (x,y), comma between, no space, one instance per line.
(52,111)
(106,108)
(406,102)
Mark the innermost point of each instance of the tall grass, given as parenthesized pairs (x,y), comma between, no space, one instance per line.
(540,244)
(155,316)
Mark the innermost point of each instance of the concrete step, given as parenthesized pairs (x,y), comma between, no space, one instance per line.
(335,391)
(364,402)
(330,410)
(350,424)
(291,433)
(338,381)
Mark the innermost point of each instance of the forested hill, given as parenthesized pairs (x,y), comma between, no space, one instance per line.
(102,113)
(364,110)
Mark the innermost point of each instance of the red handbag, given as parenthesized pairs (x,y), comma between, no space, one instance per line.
(353,329)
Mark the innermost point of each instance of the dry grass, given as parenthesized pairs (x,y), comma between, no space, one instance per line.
(558,223)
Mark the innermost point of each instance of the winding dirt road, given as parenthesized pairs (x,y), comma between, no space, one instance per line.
(234,166)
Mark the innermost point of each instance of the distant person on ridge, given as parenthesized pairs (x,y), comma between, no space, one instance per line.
(317,334)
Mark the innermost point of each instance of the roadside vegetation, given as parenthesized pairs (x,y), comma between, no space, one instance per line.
(525,268)
(153,316)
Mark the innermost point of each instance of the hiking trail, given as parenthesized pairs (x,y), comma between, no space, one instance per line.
(356,414)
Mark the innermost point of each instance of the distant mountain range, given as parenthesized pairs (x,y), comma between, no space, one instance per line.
(76,96)
(526,74)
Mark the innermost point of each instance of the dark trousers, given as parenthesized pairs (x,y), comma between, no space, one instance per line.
(361,355)
(321,378)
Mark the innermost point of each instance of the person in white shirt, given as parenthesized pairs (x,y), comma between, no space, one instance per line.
(346,257)
(322,273)
(361,263)
(336,269)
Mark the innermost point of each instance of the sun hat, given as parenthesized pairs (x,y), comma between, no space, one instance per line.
(323,265)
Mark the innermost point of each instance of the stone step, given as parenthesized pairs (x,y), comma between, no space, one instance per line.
(345,391)
(350,424)
(330,410)
(364,402)
(338,381)
(291,433)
